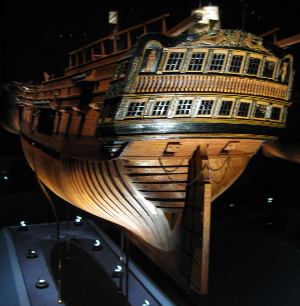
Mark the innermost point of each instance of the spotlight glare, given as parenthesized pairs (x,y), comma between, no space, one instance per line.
(41,283)
(78,220)
(32,254)
(23,226)
(97,245)
(118,271)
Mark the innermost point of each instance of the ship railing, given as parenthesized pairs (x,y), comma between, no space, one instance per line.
(26,86)
(116,42)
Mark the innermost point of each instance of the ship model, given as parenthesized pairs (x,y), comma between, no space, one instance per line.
(147,130)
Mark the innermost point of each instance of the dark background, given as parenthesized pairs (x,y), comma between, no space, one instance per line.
(36,37)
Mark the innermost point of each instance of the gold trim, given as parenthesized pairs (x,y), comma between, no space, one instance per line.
(212,83)
(200,120)
(199,135)
(205,94)
(175,50)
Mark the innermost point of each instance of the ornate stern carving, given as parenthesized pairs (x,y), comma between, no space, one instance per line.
(227,38)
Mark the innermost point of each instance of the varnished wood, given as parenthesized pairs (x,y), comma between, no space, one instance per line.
(204,84)
(289,41)
(100,138)
(271,32)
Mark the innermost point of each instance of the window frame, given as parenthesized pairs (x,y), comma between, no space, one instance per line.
(198,50)
(175,50)
(233,100)
(246,67)
(217,51)
(153,103)
(281,112)
(269,59)
(255,107)
(250,102)
(191,109)
(242,67)
(208,98)
(135,101)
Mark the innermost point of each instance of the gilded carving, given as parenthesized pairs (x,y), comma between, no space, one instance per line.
(235,38)
(283,73)
(132,74)
(151,60)
(228,38)
(253,42)
(215,38)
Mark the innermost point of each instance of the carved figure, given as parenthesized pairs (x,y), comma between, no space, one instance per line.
(150,60)
(284,71)
(215,38)
(254,43)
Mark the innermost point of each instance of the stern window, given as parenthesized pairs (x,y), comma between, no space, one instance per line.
(260,111)
(217,62)
(253,66)
(161,108)
(135,109)
(196,62)
(243,110)
(236,62)
(174,61)
(184,107)
(268,69)
(275,114)
(205,107)
(225,108)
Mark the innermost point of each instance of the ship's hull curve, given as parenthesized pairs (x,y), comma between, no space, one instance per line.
(144,195)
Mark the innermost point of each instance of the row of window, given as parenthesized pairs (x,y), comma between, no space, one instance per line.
(221,60)
(217,63)
(205,107)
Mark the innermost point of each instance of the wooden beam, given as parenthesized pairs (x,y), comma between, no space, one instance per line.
(265,34)
(197,220)
(121,32)
(182,26)
(128,40)
(164,26)
(289,41)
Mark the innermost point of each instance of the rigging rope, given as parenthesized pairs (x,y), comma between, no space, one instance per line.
(206,166)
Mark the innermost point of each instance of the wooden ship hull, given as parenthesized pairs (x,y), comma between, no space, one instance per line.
(147,135)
